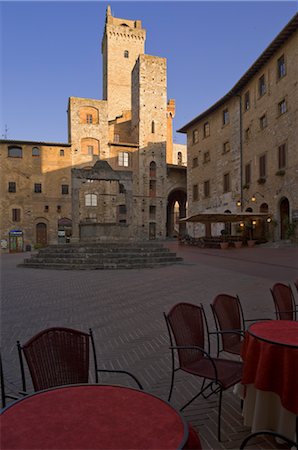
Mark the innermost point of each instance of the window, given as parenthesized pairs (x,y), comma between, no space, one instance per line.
(121,188)
(226,147)
(262,166)
(206,129)
(281,67)
(90,200)
(207,188)
(89,118)
(46,208)
(195,192)
(226,182)
(37,188)
(12,186)
(179,158)
(61,152)
(206,157)
(64,189)
(152,170)
(123,159)
(195,136)
(122,209)
(58,208)
(262,86)
(152,211)
(282,156)
(246,101)
(90,150)
(15,152)
(225,116)
(152,188)
(282,107)
(152,126)
(195,162)
(126,53)
(247,174)
(263,122)
(35,151)
(116,138)
(16,215)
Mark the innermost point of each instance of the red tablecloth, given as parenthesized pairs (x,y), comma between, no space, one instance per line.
(270,355)
(92,417)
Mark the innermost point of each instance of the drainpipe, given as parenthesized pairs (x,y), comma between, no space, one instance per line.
(241,150)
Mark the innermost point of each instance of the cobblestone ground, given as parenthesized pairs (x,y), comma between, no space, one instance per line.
(124,308)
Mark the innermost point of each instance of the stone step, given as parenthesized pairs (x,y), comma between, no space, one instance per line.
(101,255)
(105,251)
(97,266)
(115,260)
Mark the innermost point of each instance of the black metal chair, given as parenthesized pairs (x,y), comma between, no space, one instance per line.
(60,356)
(4,394)
(230,323)
(285,308)
(286,440)
(187,326)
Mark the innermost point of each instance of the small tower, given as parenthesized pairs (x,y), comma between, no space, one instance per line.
(122,43)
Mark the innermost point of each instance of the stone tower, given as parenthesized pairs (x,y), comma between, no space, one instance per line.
(123,41)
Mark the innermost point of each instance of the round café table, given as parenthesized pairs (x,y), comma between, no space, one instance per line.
(270,376)
(92,417)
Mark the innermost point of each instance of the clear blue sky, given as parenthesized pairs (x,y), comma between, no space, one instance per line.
(51,51)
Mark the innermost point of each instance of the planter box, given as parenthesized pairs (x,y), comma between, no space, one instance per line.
(251,243)
(238,244)
(224,245)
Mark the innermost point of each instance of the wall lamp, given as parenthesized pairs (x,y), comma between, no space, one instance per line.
(254,198)
(238,203)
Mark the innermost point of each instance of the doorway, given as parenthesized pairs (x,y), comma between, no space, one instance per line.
(16,241)
(41,234)
(284,211)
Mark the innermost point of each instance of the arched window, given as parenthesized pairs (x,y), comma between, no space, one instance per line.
(15,152)
(61,152)
(126,53)
(152,126)
(35,151)
(90,200)
(152,170)
(179,158)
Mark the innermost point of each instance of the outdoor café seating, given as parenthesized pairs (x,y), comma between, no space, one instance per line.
(60,356)
(284,303)
(187,325)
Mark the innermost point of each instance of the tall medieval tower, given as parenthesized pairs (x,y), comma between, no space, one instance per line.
(123,41)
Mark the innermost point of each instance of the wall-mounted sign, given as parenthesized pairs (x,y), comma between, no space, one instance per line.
(15,233)
(61,233)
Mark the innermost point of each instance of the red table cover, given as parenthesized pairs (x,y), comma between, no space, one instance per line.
(93,417)
(273,366)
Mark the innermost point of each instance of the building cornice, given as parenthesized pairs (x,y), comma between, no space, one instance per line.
(19,142)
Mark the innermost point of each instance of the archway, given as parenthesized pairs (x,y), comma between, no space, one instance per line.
(41,234)
(176,209)
(284,212)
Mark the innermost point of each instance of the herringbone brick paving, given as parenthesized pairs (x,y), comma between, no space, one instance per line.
(124,308)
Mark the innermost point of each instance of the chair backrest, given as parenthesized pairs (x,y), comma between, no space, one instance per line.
(228,315)
(290,443)
(283,301)
(57,356)
(187,323)
(296,284)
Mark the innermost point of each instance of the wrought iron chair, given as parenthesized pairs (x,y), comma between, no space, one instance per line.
(286,440)
(285,308)
(230,323)
(187,326)
(4,394)
(60,356)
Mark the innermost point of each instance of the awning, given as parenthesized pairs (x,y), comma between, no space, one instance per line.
(225,217)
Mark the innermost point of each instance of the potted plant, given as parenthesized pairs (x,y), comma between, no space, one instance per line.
(224,236)
(250,242)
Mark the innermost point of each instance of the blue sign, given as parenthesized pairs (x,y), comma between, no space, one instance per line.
(16,233)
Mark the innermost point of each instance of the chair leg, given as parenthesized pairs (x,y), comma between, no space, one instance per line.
(219,416)
(172,385)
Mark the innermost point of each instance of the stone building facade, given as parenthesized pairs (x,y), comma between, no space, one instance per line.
(116,176)
(242,151)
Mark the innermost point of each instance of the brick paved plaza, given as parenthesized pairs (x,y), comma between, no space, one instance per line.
(124,308)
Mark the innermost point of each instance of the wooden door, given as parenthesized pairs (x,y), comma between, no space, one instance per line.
(41,234)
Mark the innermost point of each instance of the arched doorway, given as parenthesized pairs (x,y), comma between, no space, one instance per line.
(64,230)
(284,212)
(176,209)
(41,234)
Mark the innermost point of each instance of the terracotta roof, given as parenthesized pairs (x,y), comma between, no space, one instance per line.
(282,37)
(53,144)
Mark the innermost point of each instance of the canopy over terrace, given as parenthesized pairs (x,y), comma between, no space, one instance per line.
(208,218)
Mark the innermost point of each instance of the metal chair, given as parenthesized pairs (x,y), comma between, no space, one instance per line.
(230,323)
(286,440)
(285,308)
(4,395)
(187,326)
(60,356)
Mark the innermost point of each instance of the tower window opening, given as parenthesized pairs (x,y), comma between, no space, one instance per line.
(152,126)
(126,54)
